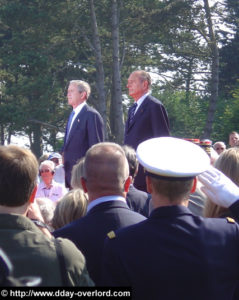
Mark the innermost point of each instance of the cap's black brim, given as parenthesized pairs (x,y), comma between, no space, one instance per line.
(168,177)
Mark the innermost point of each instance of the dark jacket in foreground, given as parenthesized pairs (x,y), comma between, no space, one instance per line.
(150,120)
(175,255)
(88,233)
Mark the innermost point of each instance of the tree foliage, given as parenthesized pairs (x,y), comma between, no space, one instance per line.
(44,44)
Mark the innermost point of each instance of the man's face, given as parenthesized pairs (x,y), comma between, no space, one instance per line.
(74,96)
(55,160)
(136,87)
(233,139)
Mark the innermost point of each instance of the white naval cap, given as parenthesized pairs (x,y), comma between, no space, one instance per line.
(172,158)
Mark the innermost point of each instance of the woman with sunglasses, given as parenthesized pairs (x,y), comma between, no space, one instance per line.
(48,188)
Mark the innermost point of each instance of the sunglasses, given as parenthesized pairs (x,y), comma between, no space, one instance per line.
(44,171)
(220,148)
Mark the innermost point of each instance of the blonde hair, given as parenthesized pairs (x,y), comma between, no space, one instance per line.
(228,163)
(70,207)
(77,173)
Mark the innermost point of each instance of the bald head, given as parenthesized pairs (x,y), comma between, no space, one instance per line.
(105,169)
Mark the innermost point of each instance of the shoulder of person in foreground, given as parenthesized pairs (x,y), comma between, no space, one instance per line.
(75,264)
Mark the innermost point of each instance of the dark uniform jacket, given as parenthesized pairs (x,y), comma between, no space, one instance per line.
(175,255)
(87,130)
(150,120)
(88,233)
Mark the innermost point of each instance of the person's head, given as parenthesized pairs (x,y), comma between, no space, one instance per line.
(78,92)
(77,173)
(233,138)
(70,207)
(46,170)
(139,83)
(206,145)
(219,147)
(106,171)
(56,158)
(171,178)
(227,163)
(132,160)
(47,208)
(42,158)
(18,174)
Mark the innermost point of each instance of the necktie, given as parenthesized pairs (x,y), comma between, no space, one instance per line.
(69,123)
(131,112)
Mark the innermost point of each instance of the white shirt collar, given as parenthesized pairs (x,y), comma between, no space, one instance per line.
(77,111)
(141,100)
(104,199)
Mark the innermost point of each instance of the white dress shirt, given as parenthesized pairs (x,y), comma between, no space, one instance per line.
(140,101)
(104,199)
(76,110)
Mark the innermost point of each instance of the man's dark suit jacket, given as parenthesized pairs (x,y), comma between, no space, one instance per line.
(138,201)
(150,120)
(88,233)
(174,255)
(87,130)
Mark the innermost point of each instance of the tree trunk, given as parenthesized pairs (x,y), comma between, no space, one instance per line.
(2,134)
(100,76)
(36,144)
(214,73)
(116,116)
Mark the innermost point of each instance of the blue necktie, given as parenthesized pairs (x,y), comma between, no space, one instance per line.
(69,124)
(131,112)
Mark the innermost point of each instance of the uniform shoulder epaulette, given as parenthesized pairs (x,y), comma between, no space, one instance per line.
(111,235)
(230,220)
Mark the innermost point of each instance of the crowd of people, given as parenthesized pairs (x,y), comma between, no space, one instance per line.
(137,215)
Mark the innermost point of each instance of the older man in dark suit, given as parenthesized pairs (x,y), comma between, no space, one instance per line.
(106,180)
(84,128)
(147,118)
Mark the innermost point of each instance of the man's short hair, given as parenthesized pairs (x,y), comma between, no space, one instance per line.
(132,160)
(82,86)
(18,174)
(106,167)
(144,76)
(233,132)
(175,190)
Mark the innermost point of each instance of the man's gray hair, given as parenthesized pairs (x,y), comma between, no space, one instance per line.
(82,86)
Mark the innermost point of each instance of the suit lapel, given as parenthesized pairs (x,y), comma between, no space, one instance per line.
(76,123)
(138,114)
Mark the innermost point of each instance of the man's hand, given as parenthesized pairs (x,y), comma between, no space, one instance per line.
(219,188)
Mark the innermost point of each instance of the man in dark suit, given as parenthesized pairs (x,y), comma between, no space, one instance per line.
(106,180)
(174,254)
(84,128)
(137,200)
(147,118)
